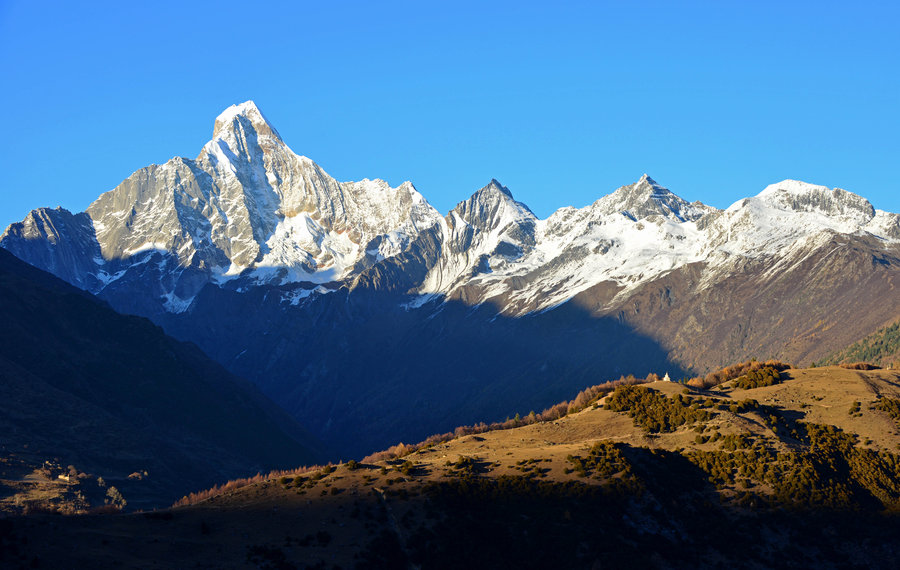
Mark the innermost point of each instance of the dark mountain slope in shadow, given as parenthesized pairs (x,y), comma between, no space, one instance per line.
(364,373)
(112,395)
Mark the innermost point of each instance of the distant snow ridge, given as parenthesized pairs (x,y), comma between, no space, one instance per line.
(249,212)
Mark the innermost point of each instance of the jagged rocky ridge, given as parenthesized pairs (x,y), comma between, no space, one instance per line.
(318,289)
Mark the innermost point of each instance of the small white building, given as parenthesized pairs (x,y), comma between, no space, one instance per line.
(666,378)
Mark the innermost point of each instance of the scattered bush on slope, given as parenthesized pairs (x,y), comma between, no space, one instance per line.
(734,371)
(765,376)
(654,411)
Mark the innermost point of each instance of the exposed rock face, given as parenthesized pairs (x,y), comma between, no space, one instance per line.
(645,199)
(59,242)
(316,289)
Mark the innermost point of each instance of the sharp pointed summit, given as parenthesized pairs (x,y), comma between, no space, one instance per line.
(645,178)
(650,187)
(647,198)
(492,206)
(240,116)
(496,185)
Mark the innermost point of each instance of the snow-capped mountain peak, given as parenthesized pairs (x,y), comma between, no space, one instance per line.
(647,198)
(798,196)
(495,185)
(248,206)
(491,208)
(645,179)
(242,116)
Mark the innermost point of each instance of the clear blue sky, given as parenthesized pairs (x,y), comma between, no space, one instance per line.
(562,102)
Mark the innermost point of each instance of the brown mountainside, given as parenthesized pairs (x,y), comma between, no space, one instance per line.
(766,308)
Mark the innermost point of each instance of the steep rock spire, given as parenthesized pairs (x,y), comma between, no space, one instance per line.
(647,198)
(240,117)
(491,207)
